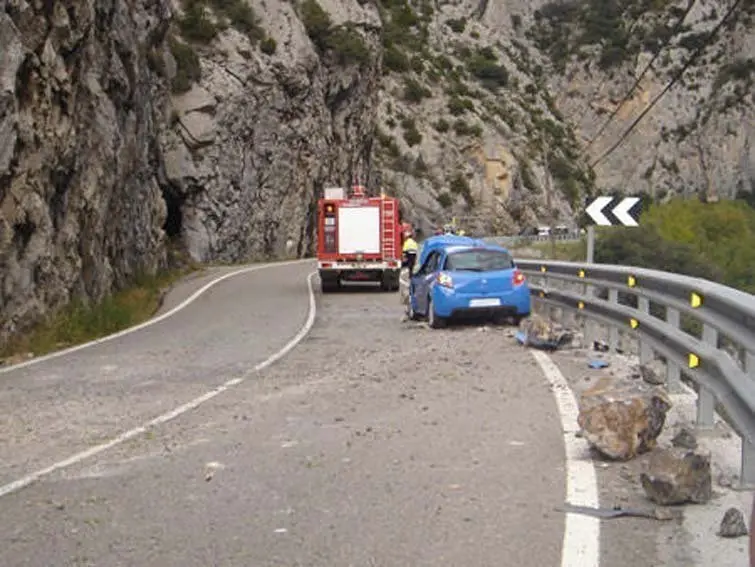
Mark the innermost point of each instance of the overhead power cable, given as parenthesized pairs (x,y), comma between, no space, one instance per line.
(678,75)
(628,95)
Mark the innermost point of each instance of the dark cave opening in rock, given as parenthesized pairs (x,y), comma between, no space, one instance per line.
(173,225)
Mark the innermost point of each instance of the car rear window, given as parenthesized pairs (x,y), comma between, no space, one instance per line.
(479,261)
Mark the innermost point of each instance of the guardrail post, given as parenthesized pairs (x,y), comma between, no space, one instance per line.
(646,353)
(673,372)
(747,473)
(706,401)
(613,332)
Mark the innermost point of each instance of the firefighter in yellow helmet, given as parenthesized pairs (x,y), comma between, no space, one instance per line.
(409,251)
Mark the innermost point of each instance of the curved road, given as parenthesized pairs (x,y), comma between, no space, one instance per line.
(373,442)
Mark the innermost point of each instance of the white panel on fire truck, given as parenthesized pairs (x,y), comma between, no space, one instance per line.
(335,193)
(358,230)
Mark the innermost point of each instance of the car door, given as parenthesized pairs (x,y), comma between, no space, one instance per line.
(422,281)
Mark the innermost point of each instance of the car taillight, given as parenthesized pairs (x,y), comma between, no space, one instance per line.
(517,277)
(444,280)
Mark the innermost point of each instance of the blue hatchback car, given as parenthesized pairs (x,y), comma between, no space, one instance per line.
(459,280)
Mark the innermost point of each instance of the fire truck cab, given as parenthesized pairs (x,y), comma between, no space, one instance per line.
(359,238)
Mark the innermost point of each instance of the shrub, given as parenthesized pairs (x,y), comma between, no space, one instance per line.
(347,45)
(459,185)
(268,45)
(188,68)
(411,134)
(343,41)
(441,125)
(395,60)
(414,91)
(457,25)
(316,21)
(242,18)
(484,66)
(445,199)
(458,106)
(461,128)
(195,25)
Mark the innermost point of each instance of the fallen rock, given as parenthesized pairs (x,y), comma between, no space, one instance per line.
(622,420)
(733,524)
(678,476)
(653,372)
(539,332)
(685,438)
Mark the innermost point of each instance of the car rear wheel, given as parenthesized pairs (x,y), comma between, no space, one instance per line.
(410,312)
(517,319)
(433,319)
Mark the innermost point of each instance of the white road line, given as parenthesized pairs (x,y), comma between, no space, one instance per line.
(185,303)
(581,546)
(193,404)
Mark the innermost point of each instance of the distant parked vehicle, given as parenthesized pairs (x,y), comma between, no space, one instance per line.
(458,281)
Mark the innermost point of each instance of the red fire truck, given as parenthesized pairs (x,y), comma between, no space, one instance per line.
(359,238)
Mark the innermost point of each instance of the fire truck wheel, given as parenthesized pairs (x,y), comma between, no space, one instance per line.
(389,282)
(329,286)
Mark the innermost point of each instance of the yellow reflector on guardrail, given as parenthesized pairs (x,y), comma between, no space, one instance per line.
(581,273)
(543,269)
(634,323)
(694,360)
(695,300)
(581,305)
(631,281)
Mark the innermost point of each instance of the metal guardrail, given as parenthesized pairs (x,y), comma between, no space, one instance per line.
(704,330)
(512,241)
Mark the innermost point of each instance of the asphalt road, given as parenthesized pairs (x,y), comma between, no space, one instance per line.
(374,442)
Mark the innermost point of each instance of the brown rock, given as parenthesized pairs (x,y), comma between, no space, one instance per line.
(677,476)
(622,420)
(653,372)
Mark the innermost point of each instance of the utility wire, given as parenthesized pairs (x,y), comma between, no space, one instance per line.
(678,75)
(627,96)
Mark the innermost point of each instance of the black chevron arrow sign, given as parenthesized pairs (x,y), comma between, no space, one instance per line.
(610,211)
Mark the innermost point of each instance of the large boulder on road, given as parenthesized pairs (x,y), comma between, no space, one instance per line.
(678,476)
(622,420)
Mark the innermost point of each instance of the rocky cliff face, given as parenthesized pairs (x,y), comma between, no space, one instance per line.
(80,112)
(468,127)
(128,125)
(279,110)
(698,136)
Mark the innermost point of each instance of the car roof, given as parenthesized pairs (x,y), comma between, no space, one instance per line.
(484,246)
(442,241)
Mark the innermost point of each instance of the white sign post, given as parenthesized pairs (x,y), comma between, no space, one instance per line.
(625,212)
